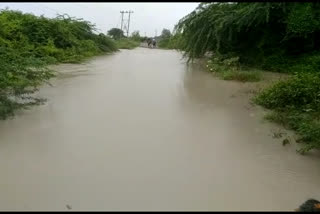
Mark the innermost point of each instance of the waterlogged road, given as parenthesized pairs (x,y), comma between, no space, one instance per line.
(141,130)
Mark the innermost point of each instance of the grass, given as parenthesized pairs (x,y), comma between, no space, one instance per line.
(306,125)
(242,76)
(126,44)
(295,104)
(229,69)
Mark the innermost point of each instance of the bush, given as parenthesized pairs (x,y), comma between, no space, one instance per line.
(228,68)
(29,43)
(127,43)
(279,62)
(173,42)
(302,91)
(296,105)
(273,34)
(20,76)
(164,43)
(62,38)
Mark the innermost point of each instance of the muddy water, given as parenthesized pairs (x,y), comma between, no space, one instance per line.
(140,130)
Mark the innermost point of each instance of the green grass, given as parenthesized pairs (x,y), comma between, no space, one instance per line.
(242,76)
(306,125)
(126,44)
(229,69)
(296,105)
(295,102)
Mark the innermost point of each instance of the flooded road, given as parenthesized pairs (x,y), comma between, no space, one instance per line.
(141,130)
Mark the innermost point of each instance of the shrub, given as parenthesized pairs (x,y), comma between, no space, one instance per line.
(296,105)
(20,76)
(126,43)
(29,43)
(302,91)
(229,68)
(60,38)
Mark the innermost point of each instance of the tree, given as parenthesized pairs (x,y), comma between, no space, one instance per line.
(136,36)
(116,33)
(165,33)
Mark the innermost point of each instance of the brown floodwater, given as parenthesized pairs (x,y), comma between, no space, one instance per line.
(142,130)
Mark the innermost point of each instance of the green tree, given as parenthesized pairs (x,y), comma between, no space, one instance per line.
(165,33)
(116,33)
(253,31)
(136,36)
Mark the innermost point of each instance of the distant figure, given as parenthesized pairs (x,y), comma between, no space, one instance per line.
(154,43)
(149,42)
(310,205)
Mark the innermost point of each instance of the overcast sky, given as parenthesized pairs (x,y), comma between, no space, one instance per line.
(147,17)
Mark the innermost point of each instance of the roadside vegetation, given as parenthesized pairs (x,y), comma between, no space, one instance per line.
(123,42)
(169,41)
(296,105)
(126,43)
(231,69)
(28,44)
(245,38)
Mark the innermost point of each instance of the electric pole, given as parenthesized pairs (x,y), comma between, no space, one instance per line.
(121,18)
(129,22)
(125,26)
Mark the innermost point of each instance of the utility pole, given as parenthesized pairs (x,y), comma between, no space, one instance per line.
(121,18)
(129,22)
(125,26)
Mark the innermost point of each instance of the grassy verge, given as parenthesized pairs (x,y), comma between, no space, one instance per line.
(230,69)
(295,102)
(296,105)
(173,42)
(242,76)
(126,44)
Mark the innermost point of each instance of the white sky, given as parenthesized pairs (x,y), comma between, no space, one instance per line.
(147,17)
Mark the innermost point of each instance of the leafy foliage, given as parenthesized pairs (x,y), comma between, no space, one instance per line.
(29,43)
(296,105)
(136,36)
(126,43)
(165,33)
(275,36)
(230,69)
(19,78)
(173,41)
(302,92)
(253,31)
(116,33)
